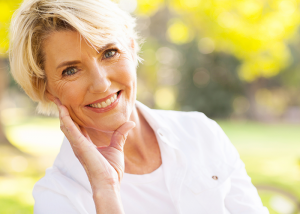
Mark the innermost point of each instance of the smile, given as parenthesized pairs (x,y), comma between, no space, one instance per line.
(105,104)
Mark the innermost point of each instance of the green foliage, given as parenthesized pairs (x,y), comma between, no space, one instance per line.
(211,79)
(256,32)
(6,10)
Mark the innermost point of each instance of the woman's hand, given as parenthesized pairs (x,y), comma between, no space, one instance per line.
(103,165)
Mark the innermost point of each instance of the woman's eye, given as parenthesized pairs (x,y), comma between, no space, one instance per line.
(110,53)
(70,71)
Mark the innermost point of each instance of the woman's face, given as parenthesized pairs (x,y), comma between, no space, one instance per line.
(98,88)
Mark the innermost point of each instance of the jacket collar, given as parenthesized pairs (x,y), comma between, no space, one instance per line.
(158,124)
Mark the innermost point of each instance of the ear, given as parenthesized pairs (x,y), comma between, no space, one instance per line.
(132,47)
(132,44)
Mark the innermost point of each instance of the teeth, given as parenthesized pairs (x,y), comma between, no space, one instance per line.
(103,104)
(106,103)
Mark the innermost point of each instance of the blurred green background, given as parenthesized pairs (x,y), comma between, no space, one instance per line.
(234,60)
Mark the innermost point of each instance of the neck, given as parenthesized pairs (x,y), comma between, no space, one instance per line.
(141,150)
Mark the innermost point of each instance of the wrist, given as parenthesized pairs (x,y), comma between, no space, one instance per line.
(104,190)
(108,200)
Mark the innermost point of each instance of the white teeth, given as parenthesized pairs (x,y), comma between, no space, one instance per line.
(103,104)
(106,103)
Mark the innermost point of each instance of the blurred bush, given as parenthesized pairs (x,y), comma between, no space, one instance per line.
(235,59)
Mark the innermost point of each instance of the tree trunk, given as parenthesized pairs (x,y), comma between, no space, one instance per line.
(3,87)
(255,111)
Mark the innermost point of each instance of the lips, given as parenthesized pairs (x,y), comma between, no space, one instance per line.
(105,104)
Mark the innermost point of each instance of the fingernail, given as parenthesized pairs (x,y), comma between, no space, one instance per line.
(57,101)
(132,123)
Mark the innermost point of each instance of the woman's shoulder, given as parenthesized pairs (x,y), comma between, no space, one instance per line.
(57,193)
(193,119)
(199,134)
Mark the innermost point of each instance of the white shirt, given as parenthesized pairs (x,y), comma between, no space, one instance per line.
(202,170)
(143,194)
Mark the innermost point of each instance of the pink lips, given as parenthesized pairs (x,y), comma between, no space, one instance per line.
(103,99)
(108,108)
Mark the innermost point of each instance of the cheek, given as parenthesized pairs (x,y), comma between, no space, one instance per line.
(72,93)
(127,72)
(68,92)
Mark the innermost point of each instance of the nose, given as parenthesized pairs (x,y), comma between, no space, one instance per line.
(99,79)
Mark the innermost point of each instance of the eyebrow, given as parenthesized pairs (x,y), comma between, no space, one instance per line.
(100,50)
(67,63)
(106,46)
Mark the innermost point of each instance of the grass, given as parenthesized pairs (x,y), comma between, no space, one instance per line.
(271,153)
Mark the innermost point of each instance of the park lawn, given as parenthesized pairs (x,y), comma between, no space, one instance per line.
(271,153)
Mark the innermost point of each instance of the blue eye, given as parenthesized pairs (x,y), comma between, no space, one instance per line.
(70,71)
(110,53)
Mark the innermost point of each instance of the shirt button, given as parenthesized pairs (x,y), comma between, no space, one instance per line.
(160,133)
(215,177)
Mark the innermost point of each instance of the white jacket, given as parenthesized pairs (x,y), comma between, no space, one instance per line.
(203,171)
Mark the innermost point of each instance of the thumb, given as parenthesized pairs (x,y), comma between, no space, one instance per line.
(119,136)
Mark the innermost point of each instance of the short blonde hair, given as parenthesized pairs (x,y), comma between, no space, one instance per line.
(97,21)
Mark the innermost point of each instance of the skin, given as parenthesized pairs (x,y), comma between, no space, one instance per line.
(98,139)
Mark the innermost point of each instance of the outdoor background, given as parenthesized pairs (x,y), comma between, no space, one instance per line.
(235,60)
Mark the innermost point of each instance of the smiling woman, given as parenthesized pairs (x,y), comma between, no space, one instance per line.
(90,81)
(81,55)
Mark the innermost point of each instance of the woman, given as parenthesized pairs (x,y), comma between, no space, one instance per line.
(82,56)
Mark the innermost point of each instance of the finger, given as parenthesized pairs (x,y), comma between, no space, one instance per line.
(57,102)
(69,127)
(119,136)
(84,132)
(83,148)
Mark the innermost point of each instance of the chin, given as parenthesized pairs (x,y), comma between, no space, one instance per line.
(108,125)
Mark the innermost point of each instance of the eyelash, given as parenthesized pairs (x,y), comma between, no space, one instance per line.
(110,50)
(67,69)
(73,67)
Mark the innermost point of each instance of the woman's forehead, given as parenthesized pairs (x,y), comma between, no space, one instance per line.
(64,46)
(65,41)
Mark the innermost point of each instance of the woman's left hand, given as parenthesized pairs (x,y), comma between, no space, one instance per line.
(104,165)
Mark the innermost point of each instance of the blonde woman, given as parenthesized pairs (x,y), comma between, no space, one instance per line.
(82,55)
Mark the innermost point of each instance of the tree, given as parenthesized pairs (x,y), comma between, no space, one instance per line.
(256,32)
(6,10)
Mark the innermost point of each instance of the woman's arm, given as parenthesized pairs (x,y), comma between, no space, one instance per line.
(104,166)
(242,196)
